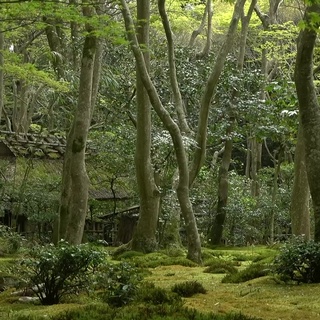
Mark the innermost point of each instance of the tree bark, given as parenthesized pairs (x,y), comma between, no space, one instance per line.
(1,73)
(309,109)
(79,181)
(216,230)
(209,92)
(178,102)
(299,209)
(194,245)
(144,238)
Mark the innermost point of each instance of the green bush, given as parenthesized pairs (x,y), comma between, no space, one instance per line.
(10,241)
(156,259)
(188,288)
(129,255)
(220,266)
(299,260)
(253,271)
(53,272)
(150,294)
(118,283)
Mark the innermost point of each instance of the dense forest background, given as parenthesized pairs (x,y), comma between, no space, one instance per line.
(189,109)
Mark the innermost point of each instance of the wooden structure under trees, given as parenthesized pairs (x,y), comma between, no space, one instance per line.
(47,149)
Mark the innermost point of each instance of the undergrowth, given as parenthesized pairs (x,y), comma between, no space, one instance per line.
(100,311)
(253,271)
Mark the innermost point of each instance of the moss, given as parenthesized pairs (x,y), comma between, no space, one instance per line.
(78,145)
(253,271)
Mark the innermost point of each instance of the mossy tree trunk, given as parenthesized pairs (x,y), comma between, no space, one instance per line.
(194,245)
(309,108)
(73,209)
(216,229)
(300,198)
(144,238)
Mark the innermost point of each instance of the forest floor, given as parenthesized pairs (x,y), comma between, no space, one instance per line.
(261,297)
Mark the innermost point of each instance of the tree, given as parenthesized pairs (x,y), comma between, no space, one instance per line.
(299,208)
(144,238)
(194,246)
(78,184)
(309,107)
(216,229)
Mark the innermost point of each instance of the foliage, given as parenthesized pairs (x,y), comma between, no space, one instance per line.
(220,266)
(54,272)
(99,311)
(188,288)
(299,260)
(253,271)
(155,259)
(118,283)
(10,241)
(150,294)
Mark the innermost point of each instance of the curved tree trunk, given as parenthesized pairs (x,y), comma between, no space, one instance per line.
(309,110)
(209,92)
(194,245)
(144,238)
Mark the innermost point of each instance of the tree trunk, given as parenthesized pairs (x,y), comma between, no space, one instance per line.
(194,245)
(309,109)
(216,230)
(299,209)
(144,238)
(209,92)
(1,73)
(215,235)
(79,181)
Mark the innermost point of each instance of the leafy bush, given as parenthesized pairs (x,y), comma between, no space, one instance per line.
(220,266)
(188,288)
(299,260)
(150,294)
(155,259)
(119,283)
(10,241)
(53,272)
(253,271)
(129,255)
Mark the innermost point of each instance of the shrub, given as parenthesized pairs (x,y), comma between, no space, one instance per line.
(150,294)
(129,255)
(53,272)
(188,288)
(119,283)
(220,266)
(299,260)
(253,271)
(10,241)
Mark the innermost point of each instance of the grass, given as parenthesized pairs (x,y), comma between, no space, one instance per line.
(261,297)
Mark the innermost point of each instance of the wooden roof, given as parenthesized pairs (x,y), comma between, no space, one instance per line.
(43,146)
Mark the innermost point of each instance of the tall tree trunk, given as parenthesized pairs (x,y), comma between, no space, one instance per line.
(216,230)
(144,238)
(79,181)
(299,209)
(309,109)
(1,73)
(194,245)
(215,235)
(209,92)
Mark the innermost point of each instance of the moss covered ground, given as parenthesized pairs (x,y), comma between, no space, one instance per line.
(262,298)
